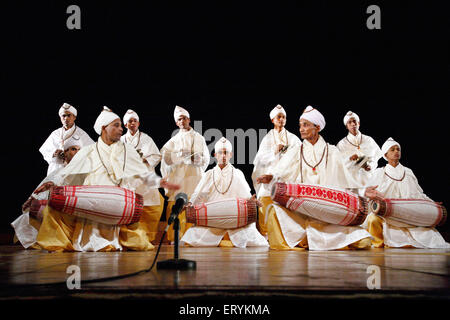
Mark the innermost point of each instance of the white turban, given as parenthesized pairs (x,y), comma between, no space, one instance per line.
(387,145)
(105,118)
(275,111)
(72,141)
(67,107)
(179,111)
(350,115)
(314,116)
(130,114)
(223,143)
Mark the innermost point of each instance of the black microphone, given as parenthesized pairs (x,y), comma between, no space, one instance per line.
(180,200)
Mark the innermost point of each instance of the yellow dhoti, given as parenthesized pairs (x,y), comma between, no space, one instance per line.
(262,212)
(375,228)
(183,224)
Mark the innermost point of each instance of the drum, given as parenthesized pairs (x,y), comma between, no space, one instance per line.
(333,206)
(106,204)
(36,208)
(223,214)
(416,212)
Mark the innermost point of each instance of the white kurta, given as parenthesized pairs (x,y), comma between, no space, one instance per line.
(145,146)
(227,178)
(102,164)
(176,164)
(398,234)
(267,157)
(331,172)
(56,141)
(348,146)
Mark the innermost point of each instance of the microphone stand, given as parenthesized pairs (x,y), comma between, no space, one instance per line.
(175,263)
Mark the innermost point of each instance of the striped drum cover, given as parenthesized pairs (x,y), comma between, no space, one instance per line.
(335,206)
(36,208)
(416,212)
(223,214)
(106,204)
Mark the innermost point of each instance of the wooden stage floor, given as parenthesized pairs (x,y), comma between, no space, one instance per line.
(228,273)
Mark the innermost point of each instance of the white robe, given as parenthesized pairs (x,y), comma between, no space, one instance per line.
(267,158)
(145,146)
(176,164)
(56,141)
(398,234)
(207,191)
(88,168)
(367,147)
(331,172)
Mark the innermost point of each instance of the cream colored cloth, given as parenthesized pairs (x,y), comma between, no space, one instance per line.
(348,146)
(398,234)
(267,157)
(177,165)
(215,182)
(57,140)
(145,146)
(331,172)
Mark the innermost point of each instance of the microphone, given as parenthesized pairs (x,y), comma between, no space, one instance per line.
(180,200)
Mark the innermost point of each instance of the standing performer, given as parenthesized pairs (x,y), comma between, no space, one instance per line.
(185,158)
(146,147)
(398,182)
(52,150)
(273,147)
(224,181)
(108,162)
(318,163)
(361,152)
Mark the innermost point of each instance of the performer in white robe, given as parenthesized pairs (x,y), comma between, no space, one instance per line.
(272,148)
(185,158)
(52,149)
(146,147)
(26,226)
(224,181)
(399,182)
(108,162)
(361,153)
(314,162)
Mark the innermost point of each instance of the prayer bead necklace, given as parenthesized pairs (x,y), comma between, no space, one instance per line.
(360,141)
(124,162)
(62,135)
(302,158)
(139,140)
(401,179)
(214,181)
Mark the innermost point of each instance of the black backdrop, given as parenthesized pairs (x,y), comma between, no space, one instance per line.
(229,65)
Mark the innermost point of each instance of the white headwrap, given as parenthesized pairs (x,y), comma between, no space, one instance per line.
(72,141)
(67,107)
(350,115)
(179,111)
(275,111)
(314,116)
(105,118)
(223,143)
(130,114)
(387,145)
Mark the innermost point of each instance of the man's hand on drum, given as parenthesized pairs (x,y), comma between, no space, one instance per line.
(44,187)
(373,194)
(168,185)
(253,198)
(354,157)
(265,178)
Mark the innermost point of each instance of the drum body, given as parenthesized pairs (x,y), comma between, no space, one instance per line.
(106,204)
(416,212)
(36,208)
(329,205)
(223,214)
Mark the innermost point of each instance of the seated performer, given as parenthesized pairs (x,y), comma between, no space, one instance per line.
(314,162)
(272,148)
(185,158)
(146,147)
(398,182)
(224,181)
(52,149)
(26,226)
(108,162)
(360,152)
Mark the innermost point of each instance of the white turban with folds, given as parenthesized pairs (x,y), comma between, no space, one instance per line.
(67,107)
(105,118)
(314,116)
(387,145)
(350,115)
(223,143)
(275,111)
(179,111)
(130,114)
